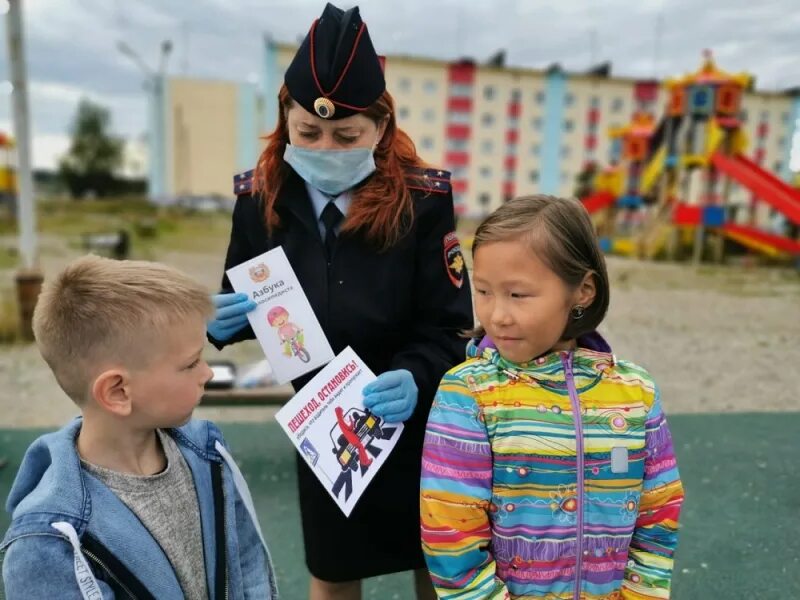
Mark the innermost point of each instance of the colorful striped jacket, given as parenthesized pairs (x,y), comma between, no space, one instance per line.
(553,479)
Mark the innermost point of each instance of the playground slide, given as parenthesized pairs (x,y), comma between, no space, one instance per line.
(778,194)
(653,169)
(598,201)
(657,139)
(760,241)
(772,178)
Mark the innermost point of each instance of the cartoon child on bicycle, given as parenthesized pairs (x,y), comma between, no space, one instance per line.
(291,335)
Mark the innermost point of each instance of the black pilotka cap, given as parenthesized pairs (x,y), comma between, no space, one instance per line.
(336,72)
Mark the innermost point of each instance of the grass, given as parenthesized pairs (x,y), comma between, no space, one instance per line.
(153,229)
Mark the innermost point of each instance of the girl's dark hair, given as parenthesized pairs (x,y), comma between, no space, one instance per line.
(561,234)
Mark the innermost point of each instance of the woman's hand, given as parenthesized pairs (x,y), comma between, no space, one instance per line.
(230,315)
(392,396)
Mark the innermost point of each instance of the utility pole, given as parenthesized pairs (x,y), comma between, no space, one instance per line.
(29,277)
(154,86)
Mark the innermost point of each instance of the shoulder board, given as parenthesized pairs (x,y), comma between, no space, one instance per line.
(243,183)
(428,180)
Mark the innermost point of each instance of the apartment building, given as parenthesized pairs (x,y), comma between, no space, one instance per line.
(501,131)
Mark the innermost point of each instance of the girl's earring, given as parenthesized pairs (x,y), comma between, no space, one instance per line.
(577,312)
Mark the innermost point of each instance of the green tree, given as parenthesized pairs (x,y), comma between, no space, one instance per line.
(94,155)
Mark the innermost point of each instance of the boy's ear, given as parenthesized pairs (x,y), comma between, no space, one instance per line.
(586,291)
(111,392)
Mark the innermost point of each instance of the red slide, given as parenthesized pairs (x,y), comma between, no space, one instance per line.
(777,242)
(598,201)
(778,194)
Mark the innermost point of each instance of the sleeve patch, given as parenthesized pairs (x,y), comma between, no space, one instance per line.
(453,259)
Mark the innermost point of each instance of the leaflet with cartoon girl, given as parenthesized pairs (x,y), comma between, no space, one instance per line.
(272,284)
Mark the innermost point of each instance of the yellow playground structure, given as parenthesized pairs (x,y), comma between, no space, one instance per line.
(668,185)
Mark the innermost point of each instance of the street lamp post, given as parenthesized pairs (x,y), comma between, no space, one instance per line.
(154,86)
(29,277)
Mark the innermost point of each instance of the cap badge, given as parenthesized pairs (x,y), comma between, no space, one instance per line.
(324,107)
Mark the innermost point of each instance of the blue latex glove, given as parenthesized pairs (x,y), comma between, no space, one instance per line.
(230,315)
(392,396)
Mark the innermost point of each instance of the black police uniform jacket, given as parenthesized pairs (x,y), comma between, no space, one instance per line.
(402,308)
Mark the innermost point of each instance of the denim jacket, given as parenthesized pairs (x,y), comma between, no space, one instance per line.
(72,538)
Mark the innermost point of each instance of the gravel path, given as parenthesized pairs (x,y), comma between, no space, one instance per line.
(717,339)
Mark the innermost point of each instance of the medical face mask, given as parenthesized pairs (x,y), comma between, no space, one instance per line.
(331,171)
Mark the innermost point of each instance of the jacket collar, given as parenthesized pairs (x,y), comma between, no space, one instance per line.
(51,485)
(591,358)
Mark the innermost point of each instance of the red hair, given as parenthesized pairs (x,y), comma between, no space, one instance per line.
(382,207)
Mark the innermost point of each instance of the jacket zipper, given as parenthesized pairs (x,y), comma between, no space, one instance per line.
(110,573)
(217,470)
(576,413)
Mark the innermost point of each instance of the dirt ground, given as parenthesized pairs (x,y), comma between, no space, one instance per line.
(716,339)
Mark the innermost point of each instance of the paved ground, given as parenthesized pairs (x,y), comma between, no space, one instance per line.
(739,538)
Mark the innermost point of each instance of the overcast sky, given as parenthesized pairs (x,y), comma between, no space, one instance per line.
(72,44)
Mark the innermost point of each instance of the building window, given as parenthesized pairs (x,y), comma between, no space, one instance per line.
(429,114)
(487,146)
(403,113)
(569,125)
(487,119)
(778,166)
(429,86)
(457,173)
(569,99)
(485,199)
(564,177)
(516,95)
(781,142)
(540,97)
(534,176)
(595,102)
(764,115)
(565,151)
(486,172)
(535,150)
(461,90)
(513,122)
(617,104)
(743,115)
(404,85)
(536,122)
(459,118)
(511,149)
(457,145)
(427,143)
(488,92)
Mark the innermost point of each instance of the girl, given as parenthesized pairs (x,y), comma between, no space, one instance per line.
(548,469)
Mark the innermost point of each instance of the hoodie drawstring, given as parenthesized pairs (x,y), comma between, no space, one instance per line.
(83,574)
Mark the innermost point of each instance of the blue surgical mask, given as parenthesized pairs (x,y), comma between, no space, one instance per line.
(331,171)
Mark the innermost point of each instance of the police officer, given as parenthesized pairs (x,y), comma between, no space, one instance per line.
(368,229)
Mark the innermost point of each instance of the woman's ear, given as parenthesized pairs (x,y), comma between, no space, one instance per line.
(382,125)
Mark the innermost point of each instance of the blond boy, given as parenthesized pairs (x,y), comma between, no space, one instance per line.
(133,498)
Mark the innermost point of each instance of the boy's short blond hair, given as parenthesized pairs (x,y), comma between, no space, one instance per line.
(101,310)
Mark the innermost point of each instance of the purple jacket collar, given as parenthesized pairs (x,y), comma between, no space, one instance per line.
(591,341)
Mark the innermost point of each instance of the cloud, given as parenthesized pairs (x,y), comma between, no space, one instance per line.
(48,150)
